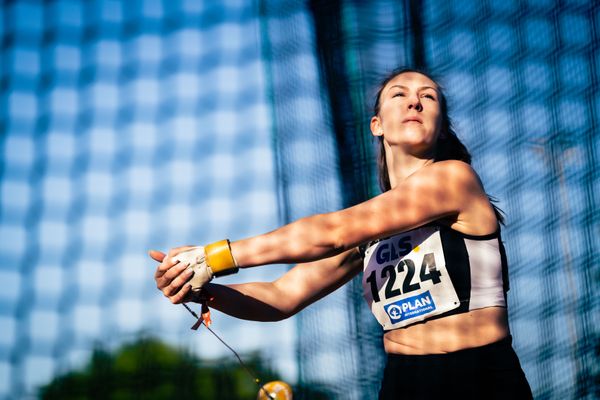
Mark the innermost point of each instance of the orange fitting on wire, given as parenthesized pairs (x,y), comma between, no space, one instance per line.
(219,258)
(205,312)
(203,298)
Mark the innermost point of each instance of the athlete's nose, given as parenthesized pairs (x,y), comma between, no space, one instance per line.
(415,104)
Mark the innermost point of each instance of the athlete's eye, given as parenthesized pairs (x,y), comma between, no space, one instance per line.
(429,96)
(399,94)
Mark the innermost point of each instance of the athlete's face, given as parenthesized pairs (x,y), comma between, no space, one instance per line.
(409,114)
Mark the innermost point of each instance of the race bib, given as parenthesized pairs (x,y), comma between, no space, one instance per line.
(405,278)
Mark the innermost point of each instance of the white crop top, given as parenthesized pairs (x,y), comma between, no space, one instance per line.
(433,271)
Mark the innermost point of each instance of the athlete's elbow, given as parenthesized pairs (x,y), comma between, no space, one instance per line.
(288,309)
(341,240)
(287,304)
(324,236)
(278,314)
(346,231)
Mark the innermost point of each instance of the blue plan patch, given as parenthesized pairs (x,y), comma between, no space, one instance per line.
(410,307)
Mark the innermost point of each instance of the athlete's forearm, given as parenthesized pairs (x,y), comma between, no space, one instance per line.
(256,301)
(308,239)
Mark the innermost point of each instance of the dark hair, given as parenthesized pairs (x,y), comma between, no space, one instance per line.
(449,146)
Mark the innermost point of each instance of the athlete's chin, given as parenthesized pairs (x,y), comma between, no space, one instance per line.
(416,138)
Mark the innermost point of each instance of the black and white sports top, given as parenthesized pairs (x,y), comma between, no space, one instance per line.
(431,272)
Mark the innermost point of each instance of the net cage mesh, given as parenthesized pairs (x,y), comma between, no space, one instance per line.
(126,126)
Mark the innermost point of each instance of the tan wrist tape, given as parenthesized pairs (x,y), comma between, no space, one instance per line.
(219,258)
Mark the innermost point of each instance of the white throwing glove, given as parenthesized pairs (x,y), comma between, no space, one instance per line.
(207,262)
(196,257)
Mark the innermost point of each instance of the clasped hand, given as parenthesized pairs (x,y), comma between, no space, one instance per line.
(181,273)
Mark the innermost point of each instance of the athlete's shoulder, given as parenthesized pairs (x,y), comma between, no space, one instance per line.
(449,171)
(453,165)
(449,176)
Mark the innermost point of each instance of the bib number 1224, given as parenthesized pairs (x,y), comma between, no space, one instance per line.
(427,272)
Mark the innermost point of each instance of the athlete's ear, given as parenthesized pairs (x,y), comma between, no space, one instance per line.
(376,128)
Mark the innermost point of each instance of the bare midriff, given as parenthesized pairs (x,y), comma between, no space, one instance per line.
(444,335)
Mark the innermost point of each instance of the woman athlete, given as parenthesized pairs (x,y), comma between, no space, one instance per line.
(429,247)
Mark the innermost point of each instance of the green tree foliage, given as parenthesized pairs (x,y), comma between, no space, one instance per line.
(151,370)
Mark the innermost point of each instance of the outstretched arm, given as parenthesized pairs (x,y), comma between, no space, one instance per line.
(443,189)
(265,301)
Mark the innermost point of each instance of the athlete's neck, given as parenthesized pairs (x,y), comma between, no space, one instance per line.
(401,165)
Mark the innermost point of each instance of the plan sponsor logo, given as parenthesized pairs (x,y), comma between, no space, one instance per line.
(410,307)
